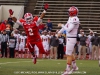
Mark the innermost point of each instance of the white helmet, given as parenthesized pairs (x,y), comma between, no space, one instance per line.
(28,17)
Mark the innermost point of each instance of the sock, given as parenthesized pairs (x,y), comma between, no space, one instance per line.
(68,67)
(69,61)
(19,55)
(73,61)
(74,64)
(22,55)
(43,55)
(33,54)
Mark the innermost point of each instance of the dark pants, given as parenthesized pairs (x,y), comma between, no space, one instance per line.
(60,51)
(11,52)
(4,49)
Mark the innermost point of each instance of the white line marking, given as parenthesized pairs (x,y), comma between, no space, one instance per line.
(9,62)
(58,63)
(17,62)
(81,63)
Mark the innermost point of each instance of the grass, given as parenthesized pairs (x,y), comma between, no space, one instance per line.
(14,66)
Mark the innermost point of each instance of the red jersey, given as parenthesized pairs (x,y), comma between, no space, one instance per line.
(31,31)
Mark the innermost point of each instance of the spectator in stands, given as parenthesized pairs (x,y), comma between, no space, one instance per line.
(10,21)
(12,45)
(46,28)
(4,41)
(95,43)
(3,25)
(49,24)
(41,27)
(8,29)
(54,42)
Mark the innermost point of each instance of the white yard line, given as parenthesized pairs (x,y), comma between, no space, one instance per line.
(17,62)
(8,62)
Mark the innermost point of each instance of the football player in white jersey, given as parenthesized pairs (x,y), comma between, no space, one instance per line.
(45,41)
(71,27)
(22,43)
(16,35)
(49,34)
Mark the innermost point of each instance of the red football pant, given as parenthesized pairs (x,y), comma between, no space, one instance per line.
(38,44)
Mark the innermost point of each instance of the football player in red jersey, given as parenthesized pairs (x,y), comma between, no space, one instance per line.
(31,29)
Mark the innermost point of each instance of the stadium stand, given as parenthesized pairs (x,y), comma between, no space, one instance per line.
(13,2)
(57,12)
(89,11)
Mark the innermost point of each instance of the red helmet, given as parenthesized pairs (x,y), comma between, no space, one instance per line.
(28,17)
(73,11)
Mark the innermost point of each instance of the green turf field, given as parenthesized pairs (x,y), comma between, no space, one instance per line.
(45,67)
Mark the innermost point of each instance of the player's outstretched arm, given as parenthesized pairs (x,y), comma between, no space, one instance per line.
(43,14)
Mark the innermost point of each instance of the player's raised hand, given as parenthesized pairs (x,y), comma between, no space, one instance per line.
(59,34)
(11,12)
(44,11)
(12,16)
(46,6)
(91,30)
(59,24)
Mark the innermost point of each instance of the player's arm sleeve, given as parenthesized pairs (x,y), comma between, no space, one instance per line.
(16,20)
(61,31)
(69,27)
(19,23)
(41,17)
(38,21)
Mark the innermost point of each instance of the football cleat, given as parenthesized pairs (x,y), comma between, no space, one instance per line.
(35,59)
(66,72)
(74,69)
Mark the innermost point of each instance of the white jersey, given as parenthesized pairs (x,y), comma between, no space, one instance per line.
(89,37)
(22,43)
(49,36)
(17,41)
(71,26)
(17,37)
(45,39)
(22,39)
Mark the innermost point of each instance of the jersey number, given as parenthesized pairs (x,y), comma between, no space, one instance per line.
(30,32)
